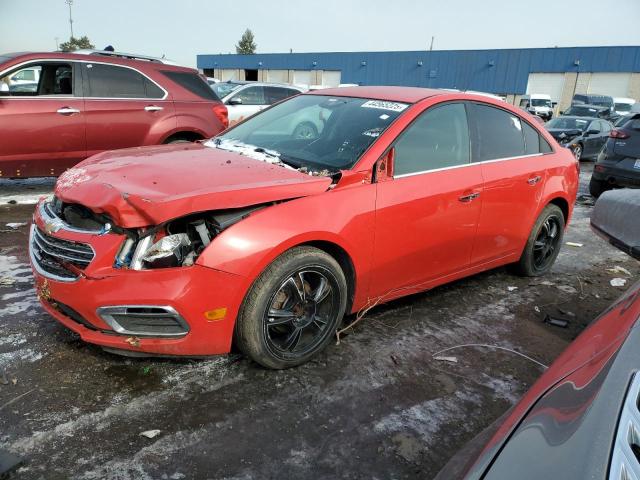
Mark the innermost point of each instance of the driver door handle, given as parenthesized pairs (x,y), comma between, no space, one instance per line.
(67,111)
(153,108)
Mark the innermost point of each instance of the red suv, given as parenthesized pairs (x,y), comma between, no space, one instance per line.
(57,109)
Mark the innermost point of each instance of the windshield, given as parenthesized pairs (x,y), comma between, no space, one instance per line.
(623,107)
(568,123)
(539,102)
(582,111)
(313,132)
(224,89)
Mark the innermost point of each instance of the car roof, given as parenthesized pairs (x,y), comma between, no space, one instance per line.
(580,117)
(97,57)
(590,105)
(391,94)
(262,84)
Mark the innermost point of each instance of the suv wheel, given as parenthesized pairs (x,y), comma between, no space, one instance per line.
(293,309)
(597,187)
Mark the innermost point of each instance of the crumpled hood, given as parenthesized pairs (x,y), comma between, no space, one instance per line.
(149,185)
(564,133)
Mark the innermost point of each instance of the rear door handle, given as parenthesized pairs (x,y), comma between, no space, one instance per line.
(534,180)
(153,108)
(469,197)
(67,111)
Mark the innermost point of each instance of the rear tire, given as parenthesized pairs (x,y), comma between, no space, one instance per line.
(597,187)
(578,152)
(544,243)
(293,309)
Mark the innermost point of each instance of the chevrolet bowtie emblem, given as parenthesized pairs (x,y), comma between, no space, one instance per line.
(52,226)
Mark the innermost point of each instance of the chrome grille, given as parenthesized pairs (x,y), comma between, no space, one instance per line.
(625,461)
(52,256)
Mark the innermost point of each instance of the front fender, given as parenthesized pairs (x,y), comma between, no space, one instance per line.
(345,218)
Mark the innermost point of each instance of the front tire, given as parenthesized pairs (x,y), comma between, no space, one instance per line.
(293,309)
(544,243)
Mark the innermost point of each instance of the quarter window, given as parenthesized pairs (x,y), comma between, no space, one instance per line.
(498,134)
(111,81)
(439,138)
(275,94)
(533,141)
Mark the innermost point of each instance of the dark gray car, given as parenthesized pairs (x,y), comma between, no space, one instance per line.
(585,136)
(618,165)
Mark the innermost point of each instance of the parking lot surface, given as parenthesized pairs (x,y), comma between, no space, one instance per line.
(376,405)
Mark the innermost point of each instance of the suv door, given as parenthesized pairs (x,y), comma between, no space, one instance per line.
(510,152)
(427,214)
(124,108)
(245,102)
(42,123)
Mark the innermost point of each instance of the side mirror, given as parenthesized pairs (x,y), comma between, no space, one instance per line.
(610,220)
(554,104)
(384,166)
(561,112)
(234,101)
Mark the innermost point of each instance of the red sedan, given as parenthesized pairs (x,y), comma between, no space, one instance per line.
(268,238)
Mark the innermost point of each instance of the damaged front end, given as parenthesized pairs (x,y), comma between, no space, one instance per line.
(179,242)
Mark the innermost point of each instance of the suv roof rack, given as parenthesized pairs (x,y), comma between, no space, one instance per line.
(130,56)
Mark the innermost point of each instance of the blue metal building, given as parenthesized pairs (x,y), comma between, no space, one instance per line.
(496,71)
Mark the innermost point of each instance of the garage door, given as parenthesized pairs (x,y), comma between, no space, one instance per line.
(278,76)
(547,83)
(331,78)
(302,77)
(613,84)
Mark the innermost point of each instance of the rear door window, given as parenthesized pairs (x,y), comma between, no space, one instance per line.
(438,138)
(275,94)
(498,134)
(111,81)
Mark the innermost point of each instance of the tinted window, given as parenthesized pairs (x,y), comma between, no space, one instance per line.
(275,94)
(534,142)
(439,138)
(194,83)
(498,134)
(110,81)
(250,96)
(604,127)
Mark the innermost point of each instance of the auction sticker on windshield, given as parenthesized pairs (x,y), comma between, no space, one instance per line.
(393,106)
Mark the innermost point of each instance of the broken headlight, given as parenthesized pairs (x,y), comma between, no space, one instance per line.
(169,251)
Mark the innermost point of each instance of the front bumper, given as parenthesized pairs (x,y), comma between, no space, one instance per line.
(191,291)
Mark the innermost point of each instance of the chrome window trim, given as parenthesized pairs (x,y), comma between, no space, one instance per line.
(468,165)
(106,313)
(624,463)
(65,60)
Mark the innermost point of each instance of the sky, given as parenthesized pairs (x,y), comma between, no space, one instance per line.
(182,29)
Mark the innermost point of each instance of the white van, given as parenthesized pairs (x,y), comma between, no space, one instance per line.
(538,104)
(622,106)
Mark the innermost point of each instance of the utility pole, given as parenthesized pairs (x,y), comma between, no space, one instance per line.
(431,47)
(70,2)
(57,44)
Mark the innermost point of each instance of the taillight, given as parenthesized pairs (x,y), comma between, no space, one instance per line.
(615,133)
(220,111)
